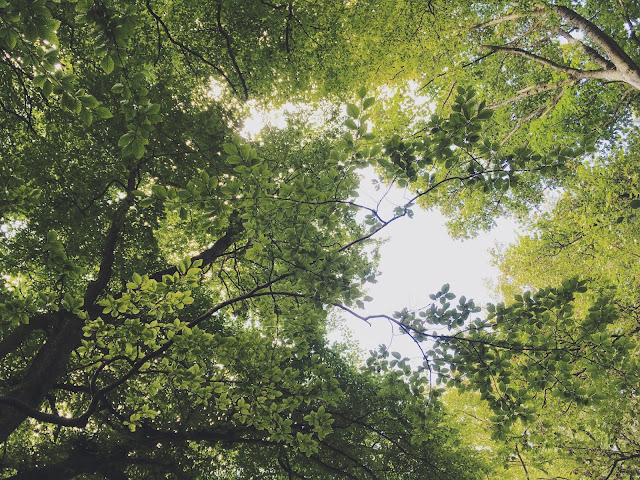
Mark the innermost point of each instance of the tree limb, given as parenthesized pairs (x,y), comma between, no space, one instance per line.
(227,39)
(572,72)
(47,365)
(618,460)
(19,334)
(524,466)
(534,90)
(211,254)
(593,54)
(95,287)
(507,18)
(26,409)
(537,112)
(619,67)
(51,360)
(287,29)
(184,48)
(623,99)
(617,55)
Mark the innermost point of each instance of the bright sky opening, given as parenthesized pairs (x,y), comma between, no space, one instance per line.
(417,258)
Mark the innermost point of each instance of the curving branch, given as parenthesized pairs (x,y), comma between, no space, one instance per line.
(591,53)
(28,409)
(51,360)
(227,39)
(12,341)
(507,18)
(22,118)
(524,465)
(629,96)
(287,29)
(534,90)
(539,112)
(96,287)
(212,253)
(456,338)
(47,365)
(186,49)
(416,197)
(619,460)
(88,459)
(573,72)
(618,67)
(615,52)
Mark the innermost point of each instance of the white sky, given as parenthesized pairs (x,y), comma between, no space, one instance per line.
(417,259)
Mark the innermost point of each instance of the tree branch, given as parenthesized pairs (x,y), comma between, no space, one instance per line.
(534,90)
(50,361)
(617,55)
(508,18)
(287,29)
(618,460)
(623,99)
(524,466)
(537,112)
(211,254)
(572,72)
(47,365)
(593,54)
(19,334)
(81,421)
(95,287)
(184,48)
(227,39)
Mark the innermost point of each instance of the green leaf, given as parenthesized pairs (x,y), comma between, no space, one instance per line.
(11,39)
(368,102)
(117,88)
(352,110)
(153,109)
(83,6)
(351,124)
(39,80)
(88,101)
(484,114)
(47,88)
(70,103)
(159,191)
(107,64)
(138,148)
(103,112)
(86,116)
(126,139)
(362,91)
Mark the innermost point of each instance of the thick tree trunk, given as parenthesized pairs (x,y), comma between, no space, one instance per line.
(47,366)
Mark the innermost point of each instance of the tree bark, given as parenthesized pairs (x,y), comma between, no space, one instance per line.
(46,367)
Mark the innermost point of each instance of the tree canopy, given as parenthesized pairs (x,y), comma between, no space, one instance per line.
(167,284)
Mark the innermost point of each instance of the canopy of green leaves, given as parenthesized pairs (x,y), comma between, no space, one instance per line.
(166,285)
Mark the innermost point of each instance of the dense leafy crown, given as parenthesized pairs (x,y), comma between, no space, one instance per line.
(167,284)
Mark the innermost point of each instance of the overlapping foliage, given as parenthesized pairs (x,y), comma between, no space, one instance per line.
(166,284)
